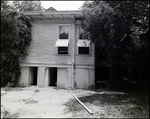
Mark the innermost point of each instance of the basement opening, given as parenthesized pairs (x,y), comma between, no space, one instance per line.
(102,76)
(52,76)
(33,75)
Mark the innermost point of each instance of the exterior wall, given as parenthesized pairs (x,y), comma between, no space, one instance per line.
(80,59)
(61,77)
(84,78)
(24,76)
(42,53)
(44,37)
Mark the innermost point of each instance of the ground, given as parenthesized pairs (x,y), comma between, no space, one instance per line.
(33,102)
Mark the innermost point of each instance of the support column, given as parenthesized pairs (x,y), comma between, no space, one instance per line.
(41,76)
(47,77)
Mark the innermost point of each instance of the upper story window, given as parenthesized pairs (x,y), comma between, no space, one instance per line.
(63,39)
(83,44)
(80,32)
(63,31)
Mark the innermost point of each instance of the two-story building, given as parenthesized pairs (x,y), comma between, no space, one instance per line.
(57,56)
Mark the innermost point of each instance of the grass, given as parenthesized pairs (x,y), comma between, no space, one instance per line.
(129,105)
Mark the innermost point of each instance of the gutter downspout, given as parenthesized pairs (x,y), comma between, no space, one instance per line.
(73,54)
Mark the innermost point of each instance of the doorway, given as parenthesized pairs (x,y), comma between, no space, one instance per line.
(33,75)
(102,69)
(52,76)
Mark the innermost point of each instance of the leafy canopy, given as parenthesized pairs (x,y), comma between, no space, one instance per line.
(15,38)
(117,27)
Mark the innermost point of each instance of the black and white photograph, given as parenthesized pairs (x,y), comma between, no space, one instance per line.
(74,59)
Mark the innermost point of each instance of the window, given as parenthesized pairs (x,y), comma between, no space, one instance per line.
(83,46)
(83,50)
(63,39)
(64,32)
(80,32)
(62,46)
(62,50)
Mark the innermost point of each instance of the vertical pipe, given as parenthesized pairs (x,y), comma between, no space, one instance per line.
(73,50)
(94,65)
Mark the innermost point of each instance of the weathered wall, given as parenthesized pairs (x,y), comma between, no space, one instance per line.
(84,78)
(24,76)
(43,50)
(43,54)
(61,77)
(82,59)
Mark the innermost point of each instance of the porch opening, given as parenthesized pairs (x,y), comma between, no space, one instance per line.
(33,75)
(52,76)
(102,76)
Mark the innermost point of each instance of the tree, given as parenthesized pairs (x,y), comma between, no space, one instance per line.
(27,5)
(15,38)
(117,28)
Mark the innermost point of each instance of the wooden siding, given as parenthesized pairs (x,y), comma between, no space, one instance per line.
(82,59)
(43,51)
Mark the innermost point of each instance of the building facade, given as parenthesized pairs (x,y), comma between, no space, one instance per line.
(57,55)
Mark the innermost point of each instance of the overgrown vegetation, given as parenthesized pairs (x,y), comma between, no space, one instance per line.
(121,30)
(128,105)
(15,38)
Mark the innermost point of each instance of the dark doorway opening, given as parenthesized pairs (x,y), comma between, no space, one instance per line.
(101,76)
(102,73)
(102,68)
(33,75)
(52,76)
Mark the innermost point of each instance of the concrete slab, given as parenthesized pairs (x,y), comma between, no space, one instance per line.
(33,102)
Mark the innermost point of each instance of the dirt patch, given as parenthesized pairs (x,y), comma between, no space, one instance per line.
(5,113)
(132,105)
(29,101)
(79,112)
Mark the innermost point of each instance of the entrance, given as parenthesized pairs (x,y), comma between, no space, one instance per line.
(33,75)
(52,76)
(101,76)
(102,71)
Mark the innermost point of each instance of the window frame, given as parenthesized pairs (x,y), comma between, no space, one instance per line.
(83,47)
(84,53)
(58,31)
(62,51)
(58,35)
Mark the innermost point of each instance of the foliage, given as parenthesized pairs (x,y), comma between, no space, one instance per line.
(121,30)
(15,38)
(116,27)
(27,5)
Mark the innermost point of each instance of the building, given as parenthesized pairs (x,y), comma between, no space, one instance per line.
(57,56)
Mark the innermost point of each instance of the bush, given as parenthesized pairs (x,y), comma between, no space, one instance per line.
(15,38)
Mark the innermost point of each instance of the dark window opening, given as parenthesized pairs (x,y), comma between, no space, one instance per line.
(63,36)
(62,50)
(83,50)
(52,76)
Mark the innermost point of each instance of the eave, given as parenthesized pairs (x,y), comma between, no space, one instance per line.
(55,14)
